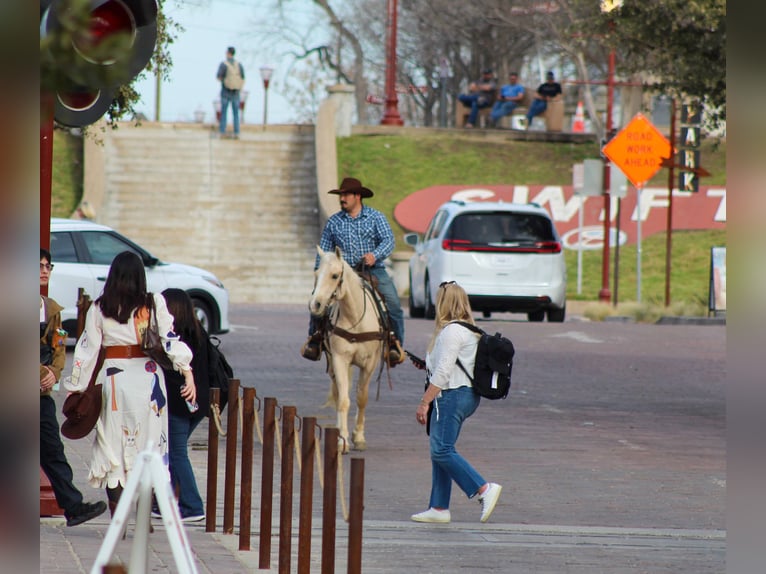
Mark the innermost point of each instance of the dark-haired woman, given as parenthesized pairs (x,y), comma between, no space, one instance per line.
(134,396)
(183,420)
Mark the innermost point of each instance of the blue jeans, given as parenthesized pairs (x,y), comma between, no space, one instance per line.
(450,410)
(501,109)
(181,472)
(535,109)
(388,291)
(229,97)
(473,101)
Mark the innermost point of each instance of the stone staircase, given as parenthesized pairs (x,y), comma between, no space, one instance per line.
(244,209)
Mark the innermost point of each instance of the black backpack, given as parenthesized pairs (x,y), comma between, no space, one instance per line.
(494,360)
(219,368)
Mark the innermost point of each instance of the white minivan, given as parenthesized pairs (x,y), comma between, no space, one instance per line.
(82,252)
(507,256)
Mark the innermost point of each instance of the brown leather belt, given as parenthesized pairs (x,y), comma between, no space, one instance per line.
(124,352)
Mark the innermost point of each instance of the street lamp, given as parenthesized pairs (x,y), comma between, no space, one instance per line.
(391,116)
(266,72)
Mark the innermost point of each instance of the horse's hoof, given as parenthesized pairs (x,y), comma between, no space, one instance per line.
(360,445)
(343,446)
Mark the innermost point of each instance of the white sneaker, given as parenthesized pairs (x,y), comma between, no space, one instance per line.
(489,500)
(193,518)
(432,515)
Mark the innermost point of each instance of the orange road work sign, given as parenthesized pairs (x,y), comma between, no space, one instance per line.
(638,150)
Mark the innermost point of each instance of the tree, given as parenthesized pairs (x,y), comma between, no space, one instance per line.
(681,43)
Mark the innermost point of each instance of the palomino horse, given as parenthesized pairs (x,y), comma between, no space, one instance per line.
(354,337)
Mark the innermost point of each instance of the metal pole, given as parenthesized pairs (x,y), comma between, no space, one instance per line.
(308,449)
(355,511)
(267,482)
(671,180)
(617,253)
(231,457)
(212,465)
(265,102)
(246,482)
(158,87)
(286,489)
(605,295)
(391,116)
(638,245)
(46,172)
(580,217)
(329,502)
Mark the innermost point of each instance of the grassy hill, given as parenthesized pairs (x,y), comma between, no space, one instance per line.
(395,166)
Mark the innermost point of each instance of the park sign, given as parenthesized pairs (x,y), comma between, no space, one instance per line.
(638,150)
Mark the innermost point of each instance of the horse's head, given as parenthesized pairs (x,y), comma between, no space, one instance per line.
(328,281)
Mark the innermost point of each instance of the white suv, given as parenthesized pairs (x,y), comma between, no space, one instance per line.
(82,252)
(507,256)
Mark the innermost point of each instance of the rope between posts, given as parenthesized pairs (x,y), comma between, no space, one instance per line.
(341,487)
(278,439)
(319,461)
(216,416)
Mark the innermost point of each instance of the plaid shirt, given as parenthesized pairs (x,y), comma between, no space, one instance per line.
(369,232)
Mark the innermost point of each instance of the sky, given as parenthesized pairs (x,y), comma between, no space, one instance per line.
(210,26)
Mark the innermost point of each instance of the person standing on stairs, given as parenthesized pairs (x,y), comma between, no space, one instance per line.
(231,74)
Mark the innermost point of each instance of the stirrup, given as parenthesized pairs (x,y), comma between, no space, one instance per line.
(396,354)
(312,348)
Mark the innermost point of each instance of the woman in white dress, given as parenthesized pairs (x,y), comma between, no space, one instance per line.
(134,397)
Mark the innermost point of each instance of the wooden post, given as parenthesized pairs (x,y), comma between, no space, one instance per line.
(212,464)
(83,304)
(286,489)
(267,482)
(329,506)
(308,449)
(246,482)
(231,457)
(355,510)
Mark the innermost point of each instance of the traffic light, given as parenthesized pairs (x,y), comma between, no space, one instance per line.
(91,48)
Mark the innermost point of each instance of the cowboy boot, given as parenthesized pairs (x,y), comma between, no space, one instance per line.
(395,352)
(312,348)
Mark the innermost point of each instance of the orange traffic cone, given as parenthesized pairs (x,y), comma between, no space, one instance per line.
(578,125)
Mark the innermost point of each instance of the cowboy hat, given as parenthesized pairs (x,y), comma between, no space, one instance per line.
(351,185)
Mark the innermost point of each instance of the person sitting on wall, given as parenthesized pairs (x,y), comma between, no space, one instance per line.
(481,94)
(545,93)
(509,98)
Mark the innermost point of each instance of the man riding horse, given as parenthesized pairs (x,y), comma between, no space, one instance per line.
(365,239)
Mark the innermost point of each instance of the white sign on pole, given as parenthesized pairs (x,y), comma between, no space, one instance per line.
(618,182)
(593,177)
(578,178)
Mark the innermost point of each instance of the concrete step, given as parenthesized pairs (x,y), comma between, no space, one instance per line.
(220,204)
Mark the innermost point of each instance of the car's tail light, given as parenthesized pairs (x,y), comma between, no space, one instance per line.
(537,247)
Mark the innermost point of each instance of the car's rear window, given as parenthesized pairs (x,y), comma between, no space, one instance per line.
(501,228)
